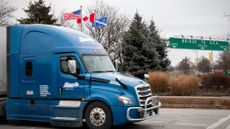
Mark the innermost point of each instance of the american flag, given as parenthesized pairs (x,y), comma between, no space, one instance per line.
(73,15)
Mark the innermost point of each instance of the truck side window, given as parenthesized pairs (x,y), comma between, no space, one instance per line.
(64,64)
(29,69)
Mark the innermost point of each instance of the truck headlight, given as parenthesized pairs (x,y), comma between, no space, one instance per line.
(125,100)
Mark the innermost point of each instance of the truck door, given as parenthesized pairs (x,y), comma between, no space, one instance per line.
(28,86)
(69,86)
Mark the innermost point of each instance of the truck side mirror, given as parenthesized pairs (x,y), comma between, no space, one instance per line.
(72,66)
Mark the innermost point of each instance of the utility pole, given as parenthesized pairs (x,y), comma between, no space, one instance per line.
(196,61)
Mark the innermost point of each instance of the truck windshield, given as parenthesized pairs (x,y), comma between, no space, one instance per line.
(98,63)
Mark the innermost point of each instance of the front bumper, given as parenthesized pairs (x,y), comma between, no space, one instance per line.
(145,112)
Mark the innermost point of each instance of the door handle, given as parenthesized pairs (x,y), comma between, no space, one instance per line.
(60,90)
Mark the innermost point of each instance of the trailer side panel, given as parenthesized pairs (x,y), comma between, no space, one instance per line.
(3,61)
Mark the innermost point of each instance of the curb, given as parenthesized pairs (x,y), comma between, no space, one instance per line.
(195,102)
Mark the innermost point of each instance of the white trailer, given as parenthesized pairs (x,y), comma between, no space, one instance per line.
(3,60)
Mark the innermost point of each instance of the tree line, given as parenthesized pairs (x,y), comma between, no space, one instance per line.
(135,44)
(204,65)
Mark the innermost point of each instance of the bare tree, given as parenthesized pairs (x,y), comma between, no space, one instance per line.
(227,15)
(224,61)
(185,65)
(109,36)
(6,12)
(204,65)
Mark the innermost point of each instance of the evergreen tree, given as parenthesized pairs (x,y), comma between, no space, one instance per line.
(38,12)
(160,47)
(138,51)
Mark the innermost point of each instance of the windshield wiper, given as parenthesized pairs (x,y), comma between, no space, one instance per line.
(109,71)
(97,71)
(103,71)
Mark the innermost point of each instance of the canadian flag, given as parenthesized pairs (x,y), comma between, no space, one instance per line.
(91,18)
(78,21)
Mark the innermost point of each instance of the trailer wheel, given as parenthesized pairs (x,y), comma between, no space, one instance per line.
(98,116)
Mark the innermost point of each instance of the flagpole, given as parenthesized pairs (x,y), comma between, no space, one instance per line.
(95,23)
(81,19)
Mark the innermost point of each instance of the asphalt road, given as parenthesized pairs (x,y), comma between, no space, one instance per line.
(168,119)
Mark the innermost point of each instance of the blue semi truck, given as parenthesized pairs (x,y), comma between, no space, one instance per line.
(62,76)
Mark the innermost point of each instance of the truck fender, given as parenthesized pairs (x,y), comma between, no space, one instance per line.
(95,100)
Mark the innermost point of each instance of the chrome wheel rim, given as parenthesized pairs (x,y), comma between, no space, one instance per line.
(97,116)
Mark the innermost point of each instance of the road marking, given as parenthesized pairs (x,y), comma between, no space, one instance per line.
(218,123)
(191,124)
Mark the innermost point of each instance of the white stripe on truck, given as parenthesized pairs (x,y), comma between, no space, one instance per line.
(65,103)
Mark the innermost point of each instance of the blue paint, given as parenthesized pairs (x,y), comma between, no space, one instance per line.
(36,95)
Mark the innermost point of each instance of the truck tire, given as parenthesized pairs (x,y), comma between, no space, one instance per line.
(98,116)
(2,112)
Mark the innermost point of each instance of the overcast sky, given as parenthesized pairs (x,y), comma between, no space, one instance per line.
(173,17)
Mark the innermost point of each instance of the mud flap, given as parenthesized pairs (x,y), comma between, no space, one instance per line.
(2,110)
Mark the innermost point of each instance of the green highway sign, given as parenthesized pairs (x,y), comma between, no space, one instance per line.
(227,73)
(199,44)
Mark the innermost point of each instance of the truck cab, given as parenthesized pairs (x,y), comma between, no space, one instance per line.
(65,77)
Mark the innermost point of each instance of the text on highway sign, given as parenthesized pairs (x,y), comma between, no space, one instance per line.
(199,44)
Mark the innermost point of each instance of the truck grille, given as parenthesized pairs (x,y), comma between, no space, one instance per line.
(144,92)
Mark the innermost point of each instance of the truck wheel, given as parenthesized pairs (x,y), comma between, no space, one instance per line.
(3,112)
(98,116)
